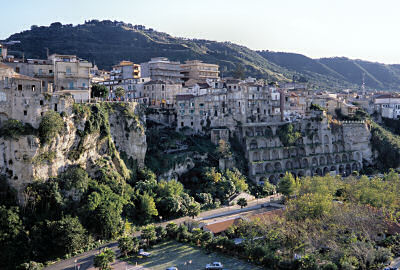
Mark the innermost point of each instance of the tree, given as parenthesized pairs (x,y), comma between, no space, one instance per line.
(194,209)
(126,245)
(269,188)
(149,234)
(68,235)
(103,260)
(100,91)
(239,72)
(242,202)
(119,92)
(172,230)
(147,207)
(237,179)
(161,232)
(288,185)
(224,149)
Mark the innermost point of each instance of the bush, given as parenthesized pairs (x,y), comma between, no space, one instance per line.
(51,125)
(13,129)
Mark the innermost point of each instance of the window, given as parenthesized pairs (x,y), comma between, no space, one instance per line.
(181,124)
(71,85)
(25,113)
(33,88)
(68,71)
(19,86)
(50,71)
(41,102)
(17,69)
(40,71)
(191,123)
(55,107)
(6,82)
(191,111)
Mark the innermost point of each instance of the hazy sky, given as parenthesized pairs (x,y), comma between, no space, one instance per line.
(364,29)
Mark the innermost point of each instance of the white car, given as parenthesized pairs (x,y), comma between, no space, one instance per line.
(144,253)
(214,265)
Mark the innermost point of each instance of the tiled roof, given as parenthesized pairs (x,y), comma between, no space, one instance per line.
(221,226)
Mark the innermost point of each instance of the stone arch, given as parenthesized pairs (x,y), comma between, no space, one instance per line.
(259,131)
(273,179)
(333,168)
(354,167)
(318,150)
(293,152)
(348,147)
(285,153)
(316,139)
(319,172)
(322,160)
(314,162)
(259,168)
(329,159)
(256,156)
(326,139)
(301,173)
(304,163)
(335,148)
(341,169)
(269,168)
(288,165)
(357,156)
(268,132)
(253,144)
(278,166)
(348,169)
(338,159)
(300,141)
(312,150)
(326,149)
(326,170)
(266,155)
(296,163)
(340,147)
(344,158)
(249,132)
(275,154)
(302,151)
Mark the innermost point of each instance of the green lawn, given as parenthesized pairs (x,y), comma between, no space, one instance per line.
(169,254)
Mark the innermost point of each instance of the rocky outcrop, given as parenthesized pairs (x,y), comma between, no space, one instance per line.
(92,136)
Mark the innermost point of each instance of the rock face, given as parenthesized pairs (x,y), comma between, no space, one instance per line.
(24,160)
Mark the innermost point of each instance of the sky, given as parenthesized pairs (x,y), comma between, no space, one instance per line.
(357,29)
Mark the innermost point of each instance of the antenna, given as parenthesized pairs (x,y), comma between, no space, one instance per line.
(363,84)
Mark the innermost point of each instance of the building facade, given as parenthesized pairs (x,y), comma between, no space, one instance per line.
(162,69)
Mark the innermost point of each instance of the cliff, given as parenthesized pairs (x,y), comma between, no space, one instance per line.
(91,137)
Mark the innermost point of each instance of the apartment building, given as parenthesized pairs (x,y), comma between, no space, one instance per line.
(23,98)
(198,71)
(162,69)
(161,93)
(58,73)
(236,102)
(388,106)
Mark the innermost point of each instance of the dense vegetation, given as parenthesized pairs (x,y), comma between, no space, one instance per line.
(328,223)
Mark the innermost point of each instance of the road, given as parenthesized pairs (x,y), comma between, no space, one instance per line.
(85,260)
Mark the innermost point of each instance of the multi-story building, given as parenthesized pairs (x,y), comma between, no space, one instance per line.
(125,70)
(59,73)
(199,71)
(388,106)
(162,69)
(161,93)
(23,98)
(233,104)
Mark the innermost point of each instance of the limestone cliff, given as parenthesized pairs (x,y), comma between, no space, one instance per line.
(91,138)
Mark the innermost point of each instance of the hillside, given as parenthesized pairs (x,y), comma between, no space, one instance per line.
(340,69)
(106,43)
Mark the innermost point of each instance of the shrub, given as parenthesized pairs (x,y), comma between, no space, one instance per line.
(50,126)
(13,129)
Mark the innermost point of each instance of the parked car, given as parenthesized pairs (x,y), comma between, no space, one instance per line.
(171,268)
(214,265)
(144,253)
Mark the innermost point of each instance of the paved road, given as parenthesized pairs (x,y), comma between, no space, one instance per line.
(85,260)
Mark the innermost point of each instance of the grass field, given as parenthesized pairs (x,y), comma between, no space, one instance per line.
(169,254)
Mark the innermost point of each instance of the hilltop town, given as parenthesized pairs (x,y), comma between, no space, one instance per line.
(88,153)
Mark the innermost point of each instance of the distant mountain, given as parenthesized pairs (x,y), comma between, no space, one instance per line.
(340,69)
(107,42)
